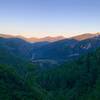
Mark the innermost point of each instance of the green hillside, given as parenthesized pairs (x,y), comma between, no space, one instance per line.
(74,80)
(77,80)
(17,79)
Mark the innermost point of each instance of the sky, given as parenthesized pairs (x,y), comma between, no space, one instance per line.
(41,18)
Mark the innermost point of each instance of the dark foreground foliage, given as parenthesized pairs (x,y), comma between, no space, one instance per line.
(75,80)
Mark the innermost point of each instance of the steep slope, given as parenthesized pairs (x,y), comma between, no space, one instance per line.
(17,78)
(17,46)
(76,80)
(20,47)
(67,48)
(55,50)
(52,51)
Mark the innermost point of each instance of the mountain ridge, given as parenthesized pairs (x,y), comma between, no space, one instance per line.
(51,38)
(57,50)
(34,39)
(68,48)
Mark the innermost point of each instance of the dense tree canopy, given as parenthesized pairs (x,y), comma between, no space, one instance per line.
(74,80)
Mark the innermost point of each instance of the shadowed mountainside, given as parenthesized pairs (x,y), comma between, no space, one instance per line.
(68,48)
(74,80)
(60,50)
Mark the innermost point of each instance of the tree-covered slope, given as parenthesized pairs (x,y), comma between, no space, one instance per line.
(74,80)
(17,78)
(17,47)
(67,49)
(77,80)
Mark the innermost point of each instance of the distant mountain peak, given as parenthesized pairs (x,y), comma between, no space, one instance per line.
(34,39)
(48,38)
(84,36)
(51,38)
(6,36)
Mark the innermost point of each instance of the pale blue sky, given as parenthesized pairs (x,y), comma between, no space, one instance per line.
(49,17)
